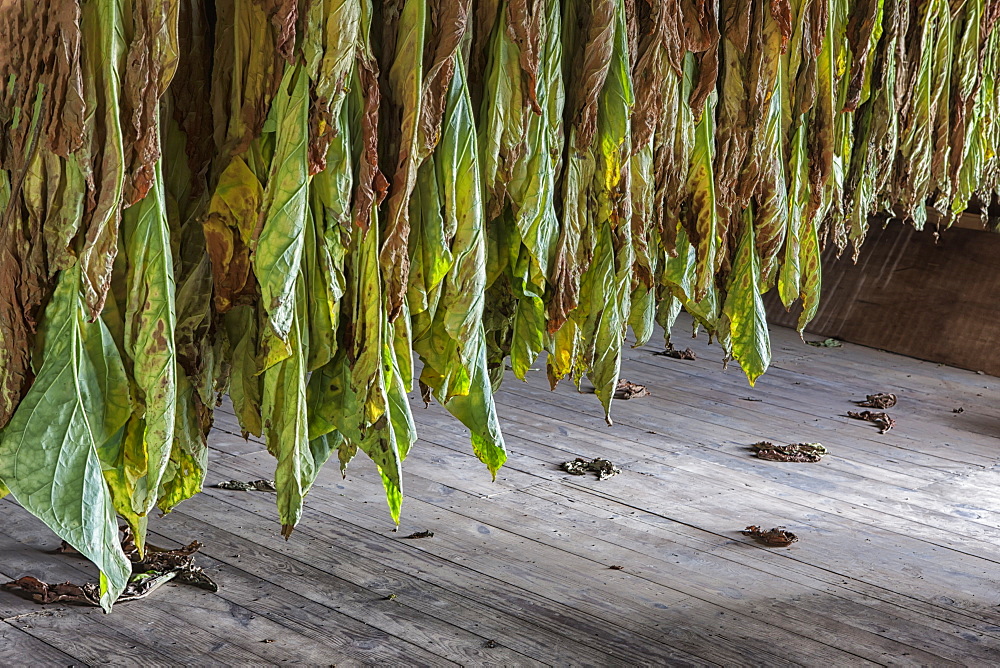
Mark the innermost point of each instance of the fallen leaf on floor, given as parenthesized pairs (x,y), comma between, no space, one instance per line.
(793,452)
(252,486)
(617,568)
(602,467)
(880,400)
(776,537)
(686,354)
(420,534)
(825,343)
(628,390)
(881,420)
(149,573)
(66,592)
(958,410)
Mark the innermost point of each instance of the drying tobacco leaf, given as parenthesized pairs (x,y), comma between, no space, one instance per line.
(879,400)
(776,537)
(794,452)
(629,390)
(880,419)
(604,468)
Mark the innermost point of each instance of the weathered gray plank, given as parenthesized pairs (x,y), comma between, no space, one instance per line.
(19,648)
(499,543)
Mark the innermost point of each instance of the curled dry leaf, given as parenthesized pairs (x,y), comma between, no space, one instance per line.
(420,534)
(604,468)
(776,537)
(880,400)
(629,390)
(880,419)
(686,354)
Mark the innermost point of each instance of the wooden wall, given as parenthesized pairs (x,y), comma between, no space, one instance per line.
(936,300)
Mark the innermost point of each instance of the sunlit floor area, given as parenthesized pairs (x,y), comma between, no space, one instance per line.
(897,559)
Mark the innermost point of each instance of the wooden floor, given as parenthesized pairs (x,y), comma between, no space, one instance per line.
(898,560)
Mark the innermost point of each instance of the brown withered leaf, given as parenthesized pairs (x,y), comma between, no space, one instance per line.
(189,92)
(670,351)
(879,400)
(524,29)
(626,390)
(881,420)
(149,68)
(65,592)
(371,183)
(583,90)
(449,20)
(776,537)
(283,15)
(419,534)
(860,25)
(781,12)
(41,115)
(149,573)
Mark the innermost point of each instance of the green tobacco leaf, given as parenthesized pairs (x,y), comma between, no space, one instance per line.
(703,209)
(278,250)
(50,451)
(751,342)
(286,427)
(450,338)
(103,31)
(242,328)
(406,88)
(185,472)
(812,274)
(150,322)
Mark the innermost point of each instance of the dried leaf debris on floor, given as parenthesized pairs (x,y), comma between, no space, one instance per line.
(880,419)
(150,571)
(776,537)
(604,468)
(793,452)
(628,390)
(250,486)
(881,400)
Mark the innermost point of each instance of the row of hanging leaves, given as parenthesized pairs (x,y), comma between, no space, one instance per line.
(291,201)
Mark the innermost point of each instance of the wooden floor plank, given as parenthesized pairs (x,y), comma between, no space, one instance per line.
(547,579)
(17,647)
(584,567)
(912,512)
(685,498)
